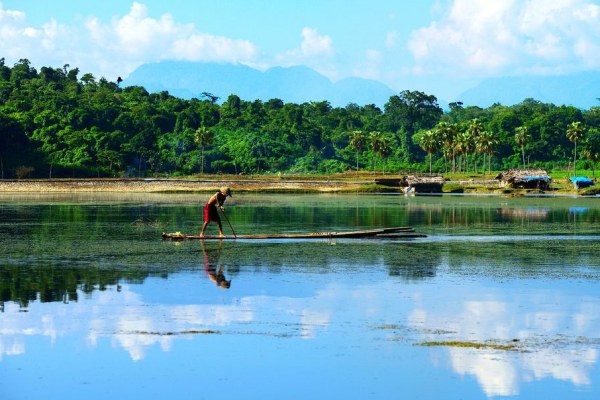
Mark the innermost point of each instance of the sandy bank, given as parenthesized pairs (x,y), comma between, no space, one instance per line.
(173,185)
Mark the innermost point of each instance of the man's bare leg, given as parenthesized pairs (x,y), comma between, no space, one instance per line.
(203,228)
(220,229)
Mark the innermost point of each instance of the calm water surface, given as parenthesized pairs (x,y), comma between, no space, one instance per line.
(94,305)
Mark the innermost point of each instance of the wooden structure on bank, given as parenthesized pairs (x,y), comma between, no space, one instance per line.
(416,183)
(400,232)
(526,178)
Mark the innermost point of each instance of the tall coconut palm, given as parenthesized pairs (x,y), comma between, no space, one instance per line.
(375,143)
(465,146)
(385,149)
(591,150)
(357,140)
(474,130)
(522,137)
(487,144)
(430,143)
(575,133)
(461,146)
(447,134)
(492,146)
(203,137)
(481,147)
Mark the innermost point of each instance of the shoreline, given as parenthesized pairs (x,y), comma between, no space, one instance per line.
(120,185)
(175,185)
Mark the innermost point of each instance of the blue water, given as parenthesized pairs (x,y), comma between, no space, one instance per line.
(95,305)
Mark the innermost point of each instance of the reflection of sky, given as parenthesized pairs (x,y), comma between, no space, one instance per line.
(543,322)
(339,315)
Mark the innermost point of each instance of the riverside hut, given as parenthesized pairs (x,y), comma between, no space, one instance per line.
(423,183)
(526,178)
(415,183)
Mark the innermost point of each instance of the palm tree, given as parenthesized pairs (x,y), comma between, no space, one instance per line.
(461,147)
(575,133)
(357,140)
(430,143)
(474,130)
(203,137)
(522,137)
(486,144)
(385,149)
(591,151)
(464,145)
(375,142)
(492,146)
(447,133)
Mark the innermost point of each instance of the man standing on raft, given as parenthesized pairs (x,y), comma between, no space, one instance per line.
(210,209)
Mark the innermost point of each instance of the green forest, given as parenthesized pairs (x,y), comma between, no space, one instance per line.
(58,122)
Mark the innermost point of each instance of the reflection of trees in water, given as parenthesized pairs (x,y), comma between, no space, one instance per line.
(60,279)
(413,262)
(23,285)
(54,251)
(474,215)
(524,214)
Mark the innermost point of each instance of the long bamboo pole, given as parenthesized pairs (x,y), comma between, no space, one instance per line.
(225,215)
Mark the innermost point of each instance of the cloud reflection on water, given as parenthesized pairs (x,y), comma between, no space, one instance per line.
(549,352)
(134,325)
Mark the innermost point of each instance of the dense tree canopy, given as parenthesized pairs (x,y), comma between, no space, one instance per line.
(61,123)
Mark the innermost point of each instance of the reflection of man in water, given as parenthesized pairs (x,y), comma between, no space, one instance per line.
(211,263)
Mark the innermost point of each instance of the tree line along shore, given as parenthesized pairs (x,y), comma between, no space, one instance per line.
(58,123)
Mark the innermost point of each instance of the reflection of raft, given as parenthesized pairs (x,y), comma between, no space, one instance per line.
(369,233)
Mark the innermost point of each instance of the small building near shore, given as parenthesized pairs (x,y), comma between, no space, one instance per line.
(416,183)
(526,178)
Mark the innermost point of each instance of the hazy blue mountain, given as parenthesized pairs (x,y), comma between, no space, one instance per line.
(580,90)
(293,84)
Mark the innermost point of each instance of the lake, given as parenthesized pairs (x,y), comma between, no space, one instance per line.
(95,305)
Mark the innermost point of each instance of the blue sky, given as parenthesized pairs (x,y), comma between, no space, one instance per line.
(439,46)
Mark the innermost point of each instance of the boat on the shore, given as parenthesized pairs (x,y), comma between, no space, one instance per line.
(405,232)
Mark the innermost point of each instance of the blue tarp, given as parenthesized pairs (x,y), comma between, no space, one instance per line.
(535,178)
(581,182)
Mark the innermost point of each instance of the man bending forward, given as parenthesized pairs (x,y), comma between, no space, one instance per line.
(210,209)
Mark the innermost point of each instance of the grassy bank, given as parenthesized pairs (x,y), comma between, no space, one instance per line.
(349,182)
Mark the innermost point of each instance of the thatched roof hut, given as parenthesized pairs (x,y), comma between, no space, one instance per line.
(526,178)
(416,183)
(424,183)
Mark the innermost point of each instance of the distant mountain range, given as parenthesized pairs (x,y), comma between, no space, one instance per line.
(293,84)
(301,84)
(579,90)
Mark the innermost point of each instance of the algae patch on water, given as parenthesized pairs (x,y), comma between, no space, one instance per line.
(475,345)
(205,332)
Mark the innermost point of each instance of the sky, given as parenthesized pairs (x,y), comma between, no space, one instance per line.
(441,47)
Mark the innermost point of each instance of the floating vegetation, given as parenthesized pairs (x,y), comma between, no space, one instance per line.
(205,332)
(418,330)
(143,223)
(495,346)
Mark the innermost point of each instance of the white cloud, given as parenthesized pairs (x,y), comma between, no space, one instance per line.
(315,45)
(369,66)
(315,51)
(510,36)
(119,46)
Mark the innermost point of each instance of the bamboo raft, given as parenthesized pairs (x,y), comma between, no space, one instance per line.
(400,232)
